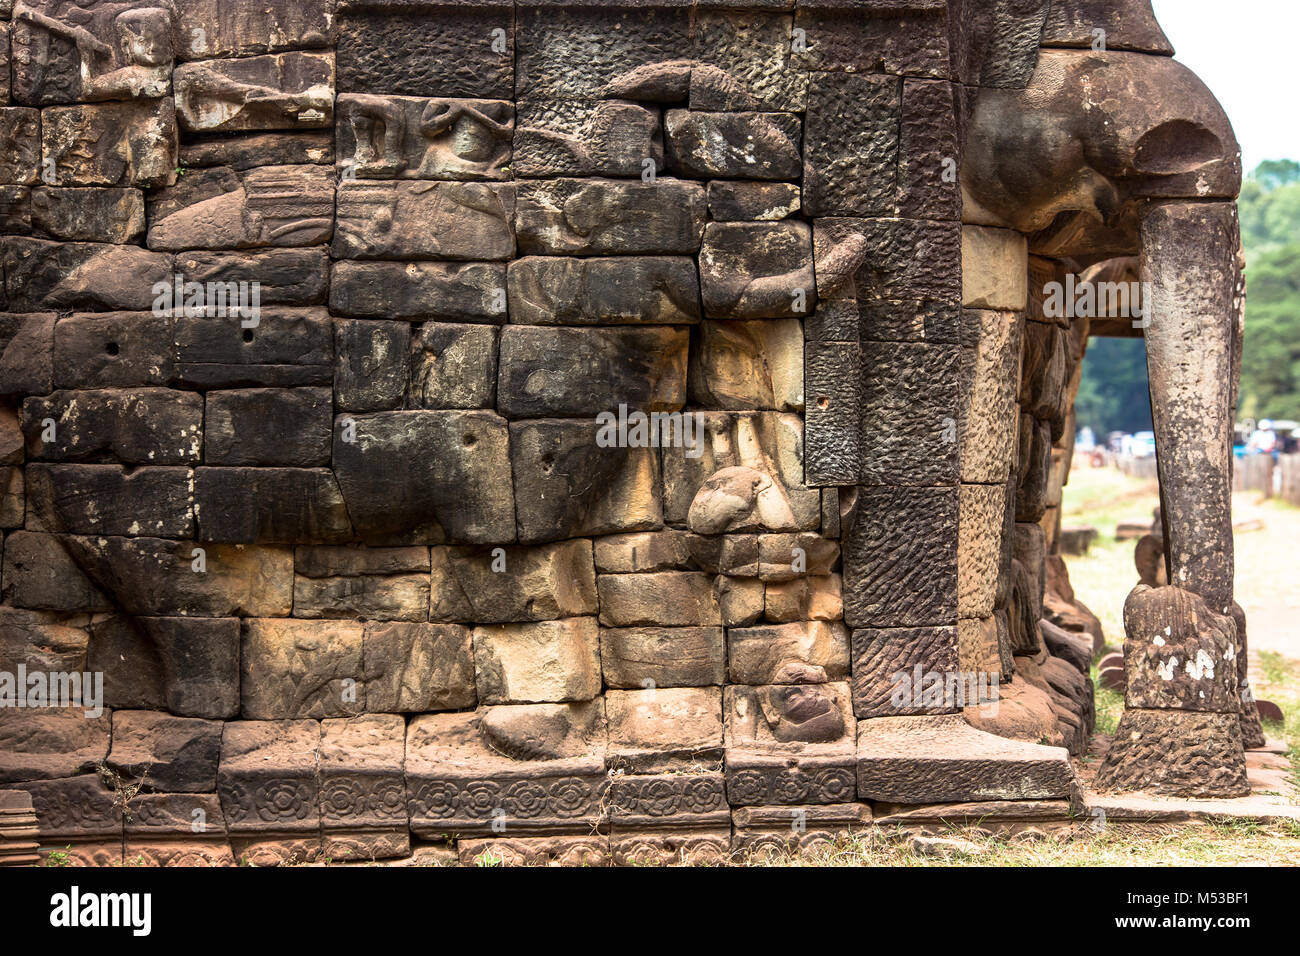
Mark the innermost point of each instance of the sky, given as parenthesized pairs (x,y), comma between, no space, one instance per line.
(1245,51)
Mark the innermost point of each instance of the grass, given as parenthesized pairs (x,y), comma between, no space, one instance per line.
(1229,843)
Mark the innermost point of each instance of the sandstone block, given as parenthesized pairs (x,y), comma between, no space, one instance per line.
(636,657)
(538,661)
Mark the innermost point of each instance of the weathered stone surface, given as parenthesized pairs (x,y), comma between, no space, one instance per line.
(757,270)
(995,269)
(1180,753)
(269,778)
(51,742)
(659,289)
(832,433)
(415,668)
(633,657)
(608,217)
(1069,646)
(300,669)
(38,573)
(644,551)
(88,215)
(580,487)
(744,61)
(565,53)
(368,596)
(277,91)
(899,296)
(188,665)
(789,744)
(900,558)
(41,641)
(210,28)
(1129,26)
(1178,654)
(285,347)
(250,150)
(899,671)
(79,815)
(101,52)
(111,144)
(851,150)
(990,384)
(387,50)
(371,364)
(137,426)
(265,206)
(391,137)
(911,40)
(749,201)
(929,145)
(807,652)
(454,366)
(816,598)
(113,349)
(382,219)
(538,767)
(764,833)
(283,276)
(166,754)
(667,598)
(450,291)
(582,851)
(363,791)
(513,584)
(177,829)
(763,487)
(21,131)
(269,505)
(577,137)
(660,729)
(787,557)
(1035,458)
(425,475)
(155,576)
(942,758)
(980,525)
(1185,246)
(107,499)
(909,408)
(538,661)
(978,647)
(740,599)
(549,371)
(268,426)
(735,145)
(81,275)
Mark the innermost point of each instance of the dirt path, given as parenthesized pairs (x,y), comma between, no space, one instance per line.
(1268,573)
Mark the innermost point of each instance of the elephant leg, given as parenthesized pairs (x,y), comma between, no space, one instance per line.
(1181,733)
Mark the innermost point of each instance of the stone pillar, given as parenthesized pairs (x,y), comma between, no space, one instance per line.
(1181,732)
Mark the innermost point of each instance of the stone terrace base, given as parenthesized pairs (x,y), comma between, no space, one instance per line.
(1272,798)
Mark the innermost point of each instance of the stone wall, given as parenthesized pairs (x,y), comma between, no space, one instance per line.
(360,564)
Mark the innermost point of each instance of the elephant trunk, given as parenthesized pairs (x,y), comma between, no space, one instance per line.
(1190,275)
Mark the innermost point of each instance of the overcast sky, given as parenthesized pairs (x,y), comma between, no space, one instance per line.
(1246,52)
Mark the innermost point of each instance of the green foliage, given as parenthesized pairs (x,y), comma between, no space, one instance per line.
(1270,230)
(1113,392)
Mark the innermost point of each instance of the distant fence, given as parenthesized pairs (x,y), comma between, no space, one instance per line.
(1260,473)
(1136,467)
(1253,473)
(1288,479)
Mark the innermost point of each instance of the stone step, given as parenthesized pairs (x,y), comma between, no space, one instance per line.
(944,759)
